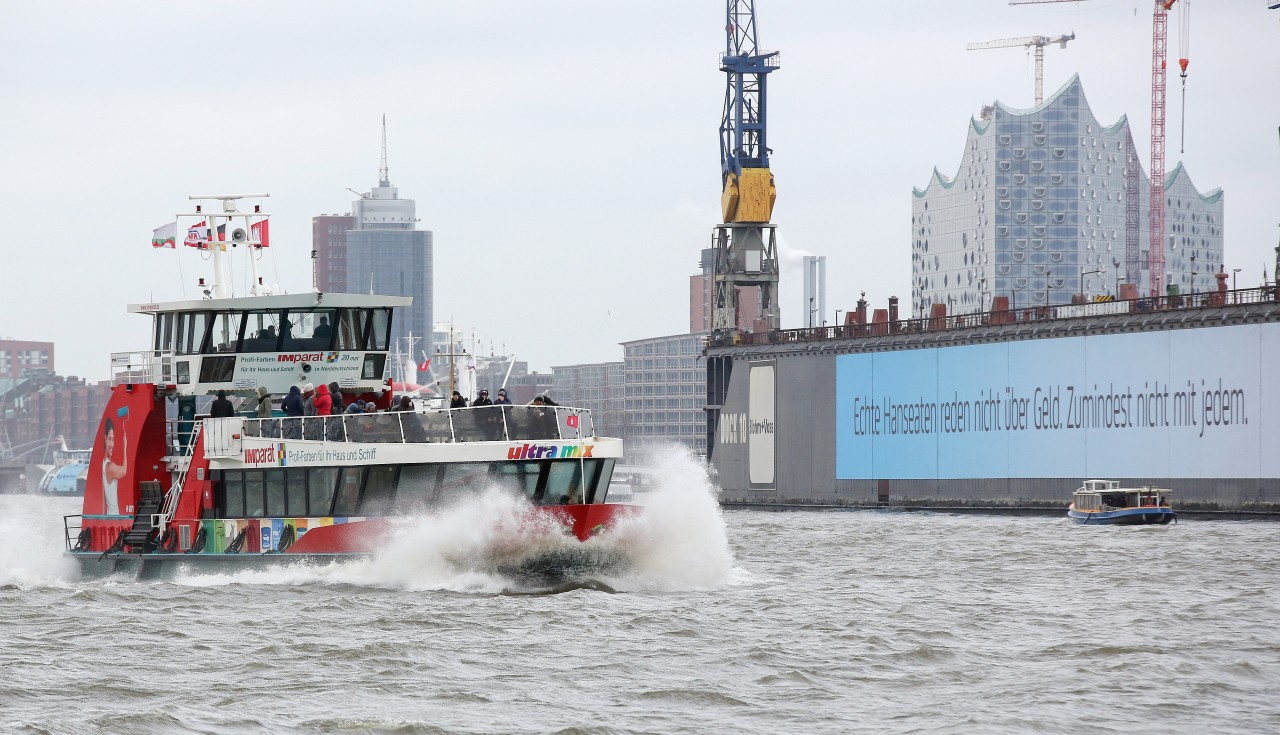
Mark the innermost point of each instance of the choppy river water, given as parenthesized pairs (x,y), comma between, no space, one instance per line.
(738,622)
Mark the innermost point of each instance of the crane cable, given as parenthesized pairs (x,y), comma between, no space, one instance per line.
(1184,58)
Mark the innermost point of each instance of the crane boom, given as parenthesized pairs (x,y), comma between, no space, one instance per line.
(1038,42)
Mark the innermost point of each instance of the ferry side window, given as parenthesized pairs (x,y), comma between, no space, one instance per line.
(379,491)
(232,494)
(600,487)
(564,484)
(348,491)
(321,482)
(275,493)
(350,329)
(253,505)
(521,476)
(295,481)
(416,489)
(462,479)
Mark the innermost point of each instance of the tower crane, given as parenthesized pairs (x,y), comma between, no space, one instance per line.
(745,244)
(1039,42)
(1155,244)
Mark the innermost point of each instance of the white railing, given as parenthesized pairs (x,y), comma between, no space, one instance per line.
(144,366)
(223,436)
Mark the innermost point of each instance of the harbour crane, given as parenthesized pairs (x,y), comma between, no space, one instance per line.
(1155,244)
(1038,42)
(745,243)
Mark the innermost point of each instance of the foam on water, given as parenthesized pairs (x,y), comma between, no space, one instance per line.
(31,542)
(491,543)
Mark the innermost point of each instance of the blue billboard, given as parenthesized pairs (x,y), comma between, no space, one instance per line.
(1187,403)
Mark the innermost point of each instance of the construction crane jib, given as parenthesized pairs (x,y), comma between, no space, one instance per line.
(745,244)
(1036,42)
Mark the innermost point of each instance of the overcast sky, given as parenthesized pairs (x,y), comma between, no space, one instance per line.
(563,152)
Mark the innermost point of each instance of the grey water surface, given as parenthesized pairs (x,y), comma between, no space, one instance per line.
(741,622)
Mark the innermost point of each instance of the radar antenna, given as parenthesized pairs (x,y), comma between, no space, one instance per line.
(384,177)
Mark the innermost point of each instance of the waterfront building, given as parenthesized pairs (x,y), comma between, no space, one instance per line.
(35,410)
(599,387)
(1037,212)
(665,394)
(21,357)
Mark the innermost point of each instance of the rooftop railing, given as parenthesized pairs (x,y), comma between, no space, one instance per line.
(1183,302)
(142,366)
(430,426)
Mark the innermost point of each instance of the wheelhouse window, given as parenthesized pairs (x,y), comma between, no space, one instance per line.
(379,329)
(351,327)
(224,336)
(261,331)
(190,332)
(308,330)
(564,484)
(164,331)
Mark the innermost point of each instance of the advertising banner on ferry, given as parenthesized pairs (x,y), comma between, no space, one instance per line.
(253,370)
(1191,403)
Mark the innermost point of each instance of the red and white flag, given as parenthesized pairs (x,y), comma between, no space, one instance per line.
(261,233)
(197,236)
(425,364)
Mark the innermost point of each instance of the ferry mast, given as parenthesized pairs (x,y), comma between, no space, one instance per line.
(745,244)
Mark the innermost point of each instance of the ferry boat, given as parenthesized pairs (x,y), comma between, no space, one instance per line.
(1104,502)
(169,486)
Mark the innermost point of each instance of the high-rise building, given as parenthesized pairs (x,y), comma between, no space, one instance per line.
(1039,212)
(329,241)
(20,357)
(381,252)
(702,288)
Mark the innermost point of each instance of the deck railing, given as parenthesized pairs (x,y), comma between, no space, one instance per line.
(476,424)
(142,366)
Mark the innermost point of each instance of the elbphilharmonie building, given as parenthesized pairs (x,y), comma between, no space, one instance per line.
(1041,209)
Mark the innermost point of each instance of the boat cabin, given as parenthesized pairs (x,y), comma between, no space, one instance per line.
(1105,495)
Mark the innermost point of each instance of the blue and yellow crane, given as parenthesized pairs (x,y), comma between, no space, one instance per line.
(745,243)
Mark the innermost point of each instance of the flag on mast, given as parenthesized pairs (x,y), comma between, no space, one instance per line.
(261,233)
(165,236)
(197,236)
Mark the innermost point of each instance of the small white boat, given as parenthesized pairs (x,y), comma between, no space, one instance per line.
(1104,502)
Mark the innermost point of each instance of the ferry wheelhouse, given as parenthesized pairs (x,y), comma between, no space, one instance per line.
(1104,502)
(168,484)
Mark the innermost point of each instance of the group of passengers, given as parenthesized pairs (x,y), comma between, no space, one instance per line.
(305,407)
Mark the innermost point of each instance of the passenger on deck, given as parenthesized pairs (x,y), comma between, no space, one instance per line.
(221,407)
(323,401)
(335,393)
(311,428)
(293,409)
(262,410)
(502,398)
(543,424)
(457,401)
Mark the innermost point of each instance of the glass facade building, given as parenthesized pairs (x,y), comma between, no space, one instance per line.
(665,385)
(1039,202)
(377,249)
(598,387)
